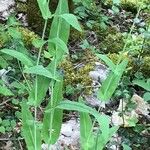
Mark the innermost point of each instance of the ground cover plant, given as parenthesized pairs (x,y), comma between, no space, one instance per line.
(45,78)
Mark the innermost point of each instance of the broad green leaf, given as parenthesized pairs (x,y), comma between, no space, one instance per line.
(14,33)
(40,70)
(29,130)
(116,2)
(143,84)
(2,129)
(110,84)
(126,147)
(5,91)
(18,55)
(146,96)
(72,20)
(108,61)
(53,119)
(3,62)
(44,8)
(38,43)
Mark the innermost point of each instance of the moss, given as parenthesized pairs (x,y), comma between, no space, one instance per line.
(115,57)
(34,16)
(112,43)
(79,75)
(130,5)
(75,35)
(133,67)
(145,67)
(27,35)
(21,7)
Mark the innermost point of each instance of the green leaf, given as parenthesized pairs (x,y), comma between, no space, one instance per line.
(60,43)
(3,62)
(6,122)
(2,129)
(40,70)
(143,84)
(102,141)
(59,28)
(103,121)
(18,55)
(14,33)
(72,20)
(42,87)
(29,130)
(53,119)
(5,91)
(38,43)
(116,2)
(146,96)
(44,8)
(80,107)
(110,84)
(107,60)
(86,131)
(126,147)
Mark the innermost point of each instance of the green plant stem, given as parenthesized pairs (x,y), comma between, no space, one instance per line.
(128,36)
(36,85)
(52,91)
(29,86)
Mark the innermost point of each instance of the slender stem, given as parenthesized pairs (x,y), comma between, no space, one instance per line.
(36,86)
(126,43)
(52,91)
(29,86)
(122,105)
(120,58)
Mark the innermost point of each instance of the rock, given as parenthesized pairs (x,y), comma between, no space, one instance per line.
(130,119)
(100,72)
(94,102)
(69,137)
(142,106)
(5,8)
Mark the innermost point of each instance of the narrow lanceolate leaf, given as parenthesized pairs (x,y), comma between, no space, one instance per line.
(28,129)
(5,91)
(44,8)
(42,87)
(53,119)
(110,84)
(86,131)
(72,20)
(80,107)
(102,141)
(108,61)
(18,55)
(59,28)
(60,43)
(40,70)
